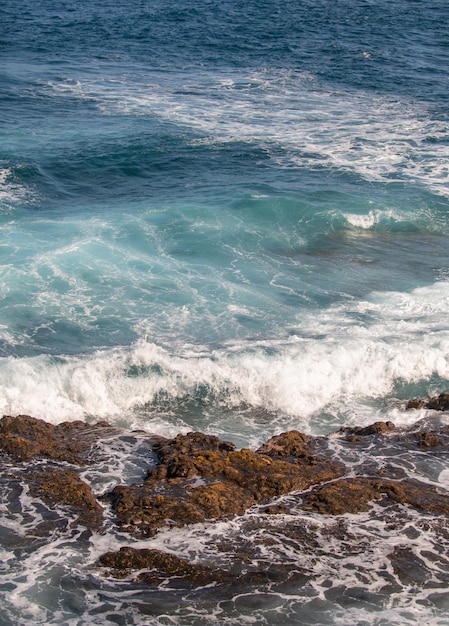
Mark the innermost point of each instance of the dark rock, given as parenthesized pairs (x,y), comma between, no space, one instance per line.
(415,404)
(428,439)
(62,486)
(353,495)
(437,403)
(158,565)
(276,509)
(25,437)
(408,567)
(378,428)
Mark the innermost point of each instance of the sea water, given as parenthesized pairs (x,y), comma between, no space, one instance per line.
(219,216)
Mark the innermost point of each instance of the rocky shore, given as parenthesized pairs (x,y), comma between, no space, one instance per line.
(198,478)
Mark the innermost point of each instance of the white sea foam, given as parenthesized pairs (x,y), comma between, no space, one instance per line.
(332,370)
(11,192)
(368,220)
(379,138)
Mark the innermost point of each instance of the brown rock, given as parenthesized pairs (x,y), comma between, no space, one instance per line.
(415,404)
(200,477)
(158,565)
(348,495)
(61,486)
(353,495)
(290,445)
(378,428)
(437,403)
(25,437)
(428,439)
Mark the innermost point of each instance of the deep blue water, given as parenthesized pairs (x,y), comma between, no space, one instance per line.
(223,216)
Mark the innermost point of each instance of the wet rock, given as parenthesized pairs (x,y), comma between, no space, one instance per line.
(428,439)
(63,487)
(408,567)
(25,437)
(351,495)
(354,495)
(276,509)
(415,403)
(378,428)
(290,446)
(154,567)
(200,477)
(437,403)
(158,566)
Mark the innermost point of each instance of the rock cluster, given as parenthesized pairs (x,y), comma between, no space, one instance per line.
(199,477)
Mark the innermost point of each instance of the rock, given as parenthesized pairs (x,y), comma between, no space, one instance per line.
(354,495)
(25,437)
(437,403)
(408,567)
(200,477)
(290,446)
(350,495)
(62,486)
(158,565)
(378,428)
(415,404)
(428,439)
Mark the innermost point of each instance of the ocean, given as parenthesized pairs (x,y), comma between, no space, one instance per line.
(230,217)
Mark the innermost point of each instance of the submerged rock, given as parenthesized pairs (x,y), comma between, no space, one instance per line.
(158,566)
(378,428)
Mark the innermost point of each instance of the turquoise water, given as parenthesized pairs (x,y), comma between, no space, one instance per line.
(232,218)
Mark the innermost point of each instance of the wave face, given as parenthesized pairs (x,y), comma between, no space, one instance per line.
(227,219)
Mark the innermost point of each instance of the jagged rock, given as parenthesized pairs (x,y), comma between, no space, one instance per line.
(62,486)
(25,437)
(200,477)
